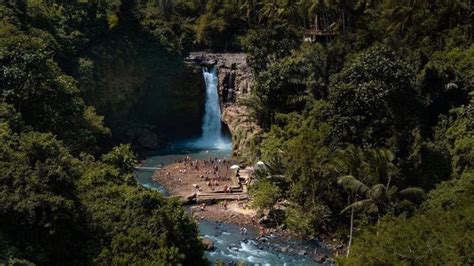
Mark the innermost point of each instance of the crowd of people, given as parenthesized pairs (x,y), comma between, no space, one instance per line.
(212,171)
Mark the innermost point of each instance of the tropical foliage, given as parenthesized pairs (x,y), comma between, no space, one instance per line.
(368,133)
(66,195)
(368,122)
(59,209)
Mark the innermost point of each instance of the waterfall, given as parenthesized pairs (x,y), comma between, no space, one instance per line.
(211,124)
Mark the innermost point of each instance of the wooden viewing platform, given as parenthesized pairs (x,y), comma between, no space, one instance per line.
(148,168)
(314,35)
(216,196)
(317,34)
(239,189)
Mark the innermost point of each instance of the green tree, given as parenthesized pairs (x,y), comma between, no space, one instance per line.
(42,219)
(264,194)
(270,43)
(307,162)
(372,101)
(134,225)
(372,191)
(129,224)
(121,157)
(441,233)
(30,74)
(281,89)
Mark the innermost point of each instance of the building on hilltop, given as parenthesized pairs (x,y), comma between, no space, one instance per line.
(317,34)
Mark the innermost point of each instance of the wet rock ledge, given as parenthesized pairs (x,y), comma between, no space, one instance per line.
(235,83)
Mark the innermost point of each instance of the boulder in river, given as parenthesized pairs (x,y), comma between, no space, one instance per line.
(208,244)
(190,199)
(302,252)
(234,247)
(191,196)
(319,257)
(266,221)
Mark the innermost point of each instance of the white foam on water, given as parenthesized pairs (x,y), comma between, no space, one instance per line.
(212,137)
(152,187)
(215,239)
(248,252)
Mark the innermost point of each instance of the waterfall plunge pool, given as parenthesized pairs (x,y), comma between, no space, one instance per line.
(230,247)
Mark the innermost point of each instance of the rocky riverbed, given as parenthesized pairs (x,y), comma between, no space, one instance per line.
(222,227)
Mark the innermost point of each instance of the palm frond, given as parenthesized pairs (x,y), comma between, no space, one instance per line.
(412,194)
(376,191)
(353,185)
(361,205)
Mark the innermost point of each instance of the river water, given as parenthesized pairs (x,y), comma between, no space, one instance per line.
(231,247)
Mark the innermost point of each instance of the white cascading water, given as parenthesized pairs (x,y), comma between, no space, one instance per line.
(211,123)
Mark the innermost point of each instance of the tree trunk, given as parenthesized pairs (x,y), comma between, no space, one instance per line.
(350,233)
(378,223)
(343,24)
(316,22)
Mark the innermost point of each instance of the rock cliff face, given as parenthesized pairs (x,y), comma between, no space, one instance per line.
(235,83)
(148,95)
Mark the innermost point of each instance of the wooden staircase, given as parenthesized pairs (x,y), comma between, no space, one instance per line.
(239,189)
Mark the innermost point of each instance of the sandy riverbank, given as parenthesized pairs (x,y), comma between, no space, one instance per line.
(234,214)
(187,176)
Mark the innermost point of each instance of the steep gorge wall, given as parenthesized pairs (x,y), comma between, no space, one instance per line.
(235,83)
(147,94)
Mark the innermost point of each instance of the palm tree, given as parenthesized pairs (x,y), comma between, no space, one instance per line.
(351,161)
(274,169)
(291,11)
(402,13)
(376,199)
(369,199)
(270,10)
(304,12)
(249,9)
(371,167)
(166,7)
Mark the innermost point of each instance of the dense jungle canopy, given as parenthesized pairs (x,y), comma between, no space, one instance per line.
(368,132)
